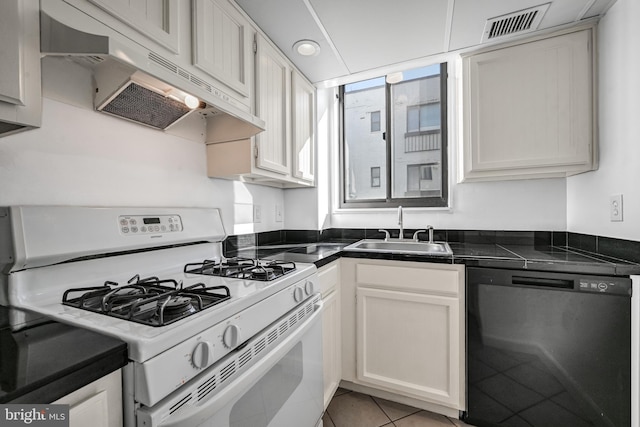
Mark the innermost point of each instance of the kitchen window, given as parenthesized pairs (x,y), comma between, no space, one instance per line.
(409,150)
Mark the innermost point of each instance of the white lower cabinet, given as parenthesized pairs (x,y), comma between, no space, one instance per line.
(98,404)
(406,333)
(329,276)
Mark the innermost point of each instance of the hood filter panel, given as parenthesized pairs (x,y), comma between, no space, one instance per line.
(137,103)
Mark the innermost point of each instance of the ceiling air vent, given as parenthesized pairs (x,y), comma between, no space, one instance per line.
(519,22)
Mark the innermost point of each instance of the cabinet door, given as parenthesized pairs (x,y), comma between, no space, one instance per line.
(329,279)
(20,83)
(331,348)
(273,82)
(303,121)
(223,43)
(408,343)
(528,109)
(97,404)
(157,19)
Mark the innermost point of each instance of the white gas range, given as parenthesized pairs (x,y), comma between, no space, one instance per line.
(204,332)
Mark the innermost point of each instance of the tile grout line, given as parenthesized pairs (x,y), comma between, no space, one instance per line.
(385,414)
(329,415)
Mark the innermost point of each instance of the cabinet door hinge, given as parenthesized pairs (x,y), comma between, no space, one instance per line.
(255,45)
(255,151)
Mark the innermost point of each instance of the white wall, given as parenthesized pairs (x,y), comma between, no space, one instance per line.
(82,157)
(619,110)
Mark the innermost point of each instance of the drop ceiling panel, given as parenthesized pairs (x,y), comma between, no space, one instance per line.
(374,33)
(359,35)
(287,21)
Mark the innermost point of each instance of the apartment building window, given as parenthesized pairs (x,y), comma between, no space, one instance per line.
(404,161)
(375,121)
(375,176)
(423,118)
(420,179)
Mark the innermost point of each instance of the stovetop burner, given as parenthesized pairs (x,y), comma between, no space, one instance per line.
(242,268)
(149,301)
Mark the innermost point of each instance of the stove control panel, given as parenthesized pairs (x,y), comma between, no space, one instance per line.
(132,225)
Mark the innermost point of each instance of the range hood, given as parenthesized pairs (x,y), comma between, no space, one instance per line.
(137,84)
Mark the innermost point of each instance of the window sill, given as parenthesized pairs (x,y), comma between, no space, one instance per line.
(340,211)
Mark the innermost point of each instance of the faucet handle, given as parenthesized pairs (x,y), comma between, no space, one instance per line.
(386,234)
(430,228)
(415,235)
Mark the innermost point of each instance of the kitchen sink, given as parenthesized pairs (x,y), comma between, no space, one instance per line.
(401,246)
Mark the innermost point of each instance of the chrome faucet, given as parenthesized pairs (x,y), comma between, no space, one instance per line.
(400,223)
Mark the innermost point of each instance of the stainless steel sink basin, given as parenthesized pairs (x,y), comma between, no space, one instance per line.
(401,246)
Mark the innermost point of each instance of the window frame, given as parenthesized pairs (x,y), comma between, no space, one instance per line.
(388,201)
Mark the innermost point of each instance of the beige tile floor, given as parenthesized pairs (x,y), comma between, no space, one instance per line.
(351,409)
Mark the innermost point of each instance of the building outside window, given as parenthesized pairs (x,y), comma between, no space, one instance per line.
(420,178)
(375,176)
(408,151)
(375,121)
(423,118)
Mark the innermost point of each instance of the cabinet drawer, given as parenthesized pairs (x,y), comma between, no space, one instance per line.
(443,279)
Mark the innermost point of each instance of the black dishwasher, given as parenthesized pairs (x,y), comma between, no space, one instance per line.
(547,349)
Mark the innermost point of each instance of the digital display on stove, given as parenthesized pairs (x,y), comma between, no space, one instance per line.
(151,220)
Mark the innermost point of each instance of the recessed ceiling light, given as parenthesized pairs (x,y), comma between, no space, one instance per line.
(306,47)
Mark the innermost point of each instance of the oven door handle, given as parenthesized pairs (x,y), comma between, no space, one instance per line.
(195,416)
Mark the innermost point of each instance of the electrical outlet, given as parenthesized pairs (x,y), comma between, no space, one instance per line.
(278,213)
(615,207)
(257,213)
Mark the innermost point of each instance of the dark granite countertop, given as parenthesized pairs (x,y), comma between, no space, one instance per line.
(519,256)
(42,360)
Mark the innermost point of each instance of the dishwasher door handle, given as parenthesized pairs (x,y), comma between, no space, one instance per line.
(542,281)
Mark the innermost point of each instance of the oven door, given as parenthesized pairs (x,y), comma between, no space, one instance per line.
(281,388)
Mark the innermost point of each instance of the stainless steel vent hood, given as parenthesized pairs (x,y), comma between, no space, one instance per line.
(139,85)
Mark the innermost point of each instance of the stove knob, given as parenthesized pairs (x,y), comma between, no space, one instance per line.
(308,287)
(231,336)
(201,355)
(298,294)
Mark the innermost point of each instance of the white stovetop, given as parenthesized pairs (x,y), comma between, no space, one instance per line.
(41,290)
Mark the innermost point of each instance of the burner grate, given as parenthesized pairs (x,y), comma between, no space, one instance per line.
(242,268)
(149,301)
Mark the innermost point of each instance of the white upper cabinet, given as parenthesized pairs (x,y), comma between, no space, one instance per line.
(273,85)
(20,86)
(156,19)
(303,103)
(223,43)
(528,109)
(283,155)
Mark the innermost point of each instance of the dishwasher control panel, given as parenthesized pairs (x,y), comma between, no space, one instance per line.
(608,285)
